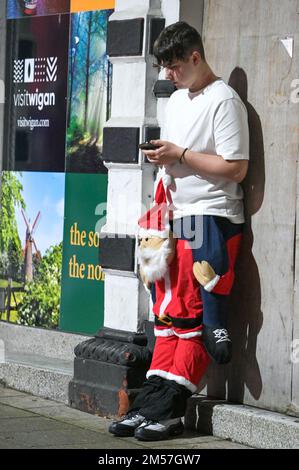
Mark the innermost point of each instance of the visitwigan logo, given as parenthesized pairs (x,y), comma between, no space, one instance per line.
(37,70)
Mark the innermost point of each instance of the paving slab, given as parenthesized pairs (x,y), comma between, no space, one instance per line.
(27,402)
(9,392)
(32,422)
(11,412)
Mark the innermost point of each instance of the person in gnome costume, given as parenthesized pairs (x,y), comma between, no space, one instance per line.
(190,237)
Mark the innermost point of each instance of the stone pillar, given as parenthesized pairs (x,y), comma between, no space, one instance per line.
(111,368)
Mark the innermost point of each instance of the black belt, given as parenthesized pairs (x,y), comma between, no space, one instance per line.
(184,323)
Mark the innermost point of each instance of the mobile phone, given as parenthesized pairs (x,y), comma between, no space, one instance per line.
(147,146)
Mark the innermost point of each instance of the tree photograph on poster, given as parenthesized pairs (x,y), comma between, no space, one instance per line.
(23,8)
(89,91)
(31,233)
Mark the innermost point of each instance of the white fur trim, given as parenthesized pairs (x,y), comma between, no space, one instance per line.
(182,381)
(145,233)
(167,179)
(210,285)
(191,334)
(164,332)
(154,262)
(176,378)
(160,373)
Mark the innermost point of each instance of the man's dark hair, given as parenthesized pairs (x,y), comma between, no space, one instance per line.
(177,41)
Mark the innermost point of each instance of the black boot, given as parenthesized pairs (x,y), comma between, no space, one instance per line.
(159,430)
(217,343)
(127,425)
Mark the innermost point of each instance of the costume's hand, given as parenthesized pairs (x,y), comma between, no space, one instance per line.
(203,272)
(166,153)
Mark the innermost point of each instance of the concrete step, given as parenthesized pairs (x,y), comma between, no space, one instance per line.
(37,361)
(254,427)
(39,375)
(39,341)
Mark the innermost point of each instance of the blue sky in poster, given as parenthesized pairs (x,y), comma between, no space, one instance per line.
(43,192)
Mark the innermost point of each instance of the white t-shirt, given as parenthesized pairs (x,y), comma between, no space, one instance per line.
(212,122)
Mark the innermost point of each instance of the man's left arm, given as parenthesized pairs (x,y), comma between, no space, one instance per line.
(216,167)
(231,138)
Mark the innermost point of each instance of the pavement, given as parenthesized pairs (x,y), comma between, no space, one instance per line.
(30,422)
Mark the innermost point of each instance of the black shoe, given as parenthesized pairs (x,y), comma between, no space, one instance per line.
(217,343)
(127,425)
(159,430)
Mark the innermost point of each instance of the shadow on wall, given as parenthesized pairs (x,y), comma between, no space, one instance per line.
(246,318)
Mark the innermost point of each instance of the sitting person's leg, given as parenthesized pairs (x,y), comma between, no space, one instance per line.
(146,403)
(189,365)
(150,394)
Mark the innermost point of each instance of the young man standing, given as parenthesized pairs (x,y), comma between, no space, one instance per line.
(204,153)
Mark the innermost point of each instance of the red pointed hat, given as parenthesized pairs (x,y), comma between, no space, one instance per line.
(155,222)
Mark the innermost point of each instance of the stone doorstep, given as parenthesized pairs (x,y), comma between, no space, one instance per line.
(37,360)
(39,341)
(41,362)
(41,376)
(247,425)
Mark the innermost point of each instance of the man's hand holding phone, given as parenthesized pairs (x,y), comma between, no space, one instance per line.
(161,152)
(147,146)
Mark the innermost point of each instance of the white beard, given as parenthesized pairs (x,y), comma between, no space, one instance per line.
(154,262)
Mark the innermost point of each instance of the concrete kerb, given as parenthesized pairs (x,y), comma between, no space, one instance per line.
(39,341)
(37,361)
(243,424)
